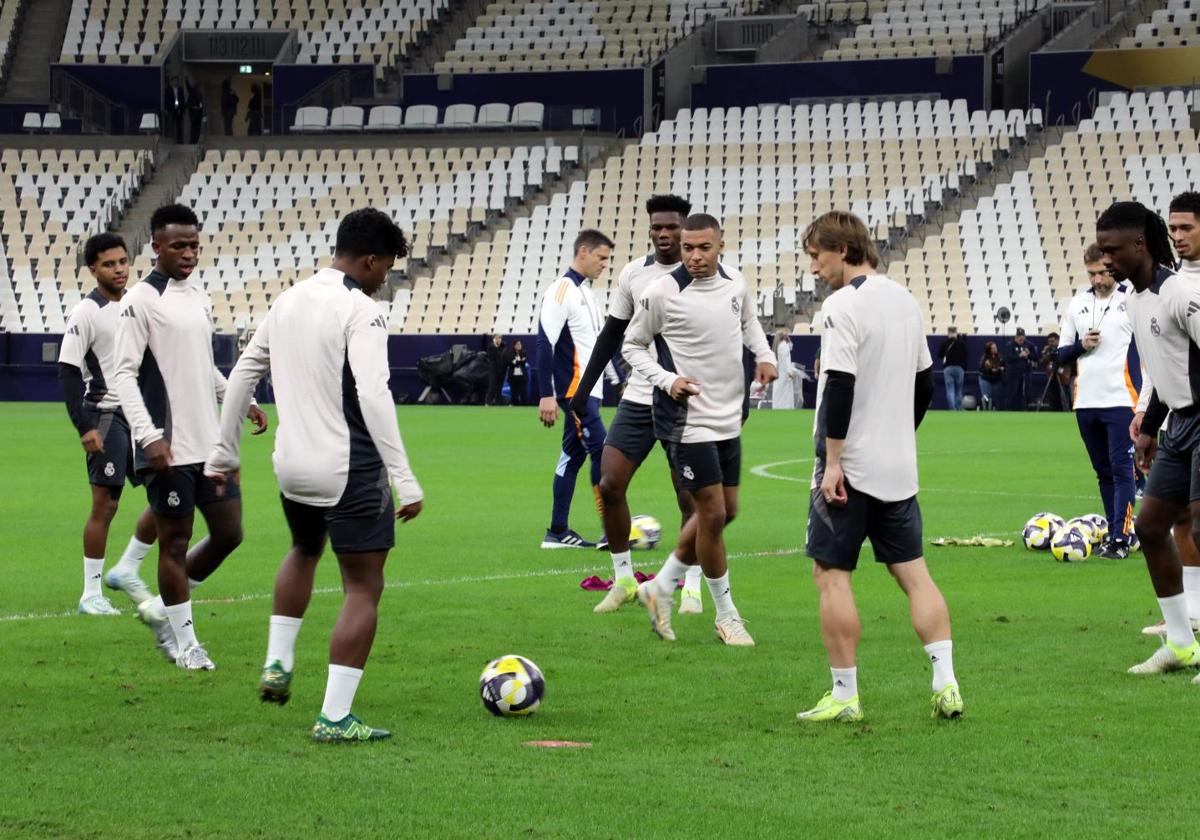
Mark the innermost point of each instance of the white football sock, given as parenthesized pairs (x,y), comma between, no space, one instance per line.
(131,560)
(92,570)
(193,585)
(623,568)
(281,641)
(180,616)
(691,581)
(1175,613)
(339,691)
(1191,588)
(845,683)
(722,597)
(669,576)
(941,657)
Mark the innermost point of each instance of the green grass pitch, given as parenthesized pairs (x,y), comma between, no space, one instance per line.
(102,738)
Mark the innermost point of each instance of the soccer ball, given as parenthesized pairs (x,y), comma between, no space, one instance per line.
(1099,525)
(644,532)
(1086,526)
(1040,530)
(511,686)
(1071,545)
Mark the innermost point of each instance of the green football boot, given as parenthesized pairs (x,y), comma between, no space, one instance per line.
(275,685)
(345,731)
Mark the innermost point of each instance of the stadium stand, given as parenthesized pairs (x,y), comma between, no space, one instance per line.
(1021,248)
(270,219)
(338,32)
(1178,25)
(49,202)
(766,172)
(911,28)
(563,35)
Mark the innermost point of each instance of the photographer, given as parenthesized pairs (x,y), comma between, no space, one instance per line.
(1055,394)
(991,376)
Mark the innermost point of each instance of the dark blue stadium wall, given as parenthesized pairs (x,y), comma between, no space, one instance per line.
(134,88)
(1065,84)
(25,377)
(751,84)
(617,94)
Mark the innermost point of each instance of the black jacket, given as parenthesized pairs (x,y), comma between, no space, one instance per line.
(1013,363)
(953,352)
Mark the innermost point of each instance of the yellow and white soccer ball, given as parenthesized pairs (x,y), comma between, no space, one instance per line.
(644,532)
(1087,526)
(1072,545)
(511,686)
(1099,523)
(1040,530)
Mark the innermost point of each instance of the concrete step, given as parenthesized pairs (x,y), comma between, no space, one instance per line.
(37,42)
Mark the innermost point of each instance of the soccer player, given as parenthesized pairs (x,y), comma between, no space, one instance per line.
(1096,334)
(694,319)
(631,436)
(1163,308)
(1183,226)
(85,369)
(169,388)
(338,455)
(567,330)
(875,370)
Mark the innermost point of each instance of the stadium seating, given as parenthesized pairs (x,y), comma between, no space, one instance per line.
(766,172)
(911,28)
(269,220)
(565,35)
(1178,25)
(49,201)
(1022,248)
(339,32)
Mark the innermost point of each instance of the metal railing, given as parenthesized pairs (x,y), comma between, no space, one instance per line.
(95,111)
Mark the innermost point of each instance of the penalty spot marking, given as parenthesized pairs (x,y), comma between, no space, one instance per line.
(558,744)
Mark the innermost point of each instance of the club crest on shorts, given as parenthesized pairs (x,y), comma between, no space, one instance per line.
(173,499)
(688,474)
(110,470)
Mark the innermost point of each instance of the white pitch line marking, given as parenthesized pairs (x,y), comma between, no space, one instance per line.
(405,584)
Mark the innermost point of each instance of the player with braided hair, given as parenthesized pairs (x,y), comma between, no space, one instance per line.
(1165,310)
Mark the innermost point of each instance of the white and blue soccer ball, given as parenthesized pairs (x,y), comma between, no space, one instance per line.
(1072,545)
(1086,526)
(644,532)
(1039,532)
(1099,524)
(511,686)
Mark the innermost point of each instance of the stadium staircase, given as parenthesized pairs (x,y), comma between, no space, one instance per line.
(1127,23)
(985,185)
(38,42)
(524,209)
(442,34)
(174,166)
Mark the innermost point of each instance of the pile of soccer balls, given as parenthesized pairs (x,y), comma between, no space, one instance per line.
(1068,540)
